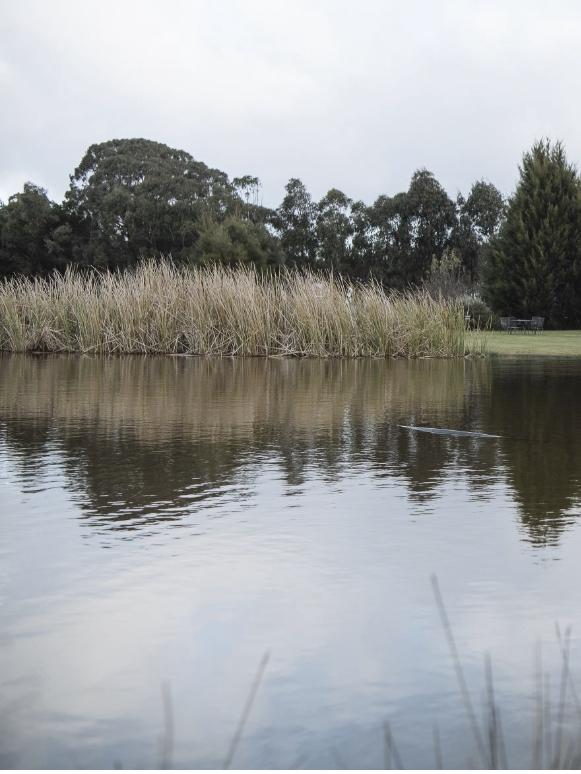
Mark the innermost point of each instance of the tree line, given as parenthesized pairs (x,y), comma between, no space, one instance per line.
(134,198)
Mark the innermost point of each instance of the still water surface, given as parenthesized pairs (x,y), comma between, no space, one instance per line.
(167,521)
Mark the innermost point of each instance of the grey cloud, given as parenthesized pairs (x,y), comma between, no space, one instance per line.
(352,95)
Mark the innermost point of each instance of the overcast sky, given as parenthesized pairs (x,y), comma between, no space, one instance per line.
(354,95)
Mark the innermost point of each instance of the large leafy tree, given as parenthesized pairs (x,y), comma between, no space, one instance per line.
(389,240)
(534,266)
(404,233)
(479,217)
(334,230)
(137,197)
(296,224)
(431,215)
(34,235)
(361,255)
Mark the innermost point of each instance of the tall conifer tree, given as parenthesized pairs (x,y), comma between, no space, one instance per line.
(534,266)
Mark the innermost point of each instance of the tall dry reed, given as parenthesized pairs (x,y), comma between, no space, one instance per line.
(162,308)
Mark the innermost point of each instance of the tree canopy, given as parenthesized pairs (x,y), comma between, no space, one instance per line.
(131,198)
(134,198)
(34,236)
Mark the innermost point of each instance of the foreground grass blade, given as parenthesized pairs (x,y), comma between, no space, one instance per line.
(246,711)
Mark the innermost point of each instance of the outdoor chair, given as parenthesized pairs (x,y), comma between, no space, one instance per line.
(508,324)
(537,324)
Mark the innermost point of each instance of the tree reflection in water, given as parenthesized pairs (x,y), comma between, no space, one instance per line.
(146,440)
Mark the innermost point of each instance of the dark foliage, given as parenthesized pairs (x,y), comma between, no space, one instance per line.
(534,266)
(35,236)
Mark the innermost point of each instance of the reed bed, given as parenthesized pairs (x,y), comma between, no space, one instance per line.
(162,308)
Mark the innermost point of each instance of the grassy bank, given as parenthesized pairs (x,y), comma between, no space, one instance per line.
(160,308)
(558,343)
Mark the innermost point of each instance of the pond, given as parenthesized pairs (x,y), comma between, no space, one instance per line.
(181,537)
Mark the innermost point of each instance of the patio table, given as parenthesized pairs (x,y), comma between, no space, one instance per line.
(534,324)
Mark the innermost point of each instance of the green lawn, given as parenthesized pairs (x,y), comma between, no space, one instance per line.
(546,343)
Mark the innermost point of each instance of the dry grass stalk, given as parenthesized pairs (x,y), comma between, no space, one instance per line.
(162,308)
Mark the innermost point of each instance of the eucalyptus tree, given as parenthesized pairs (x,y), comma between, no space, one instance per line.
(296,224)
(334,230)
(136,197)
(34,235)
(406,231)
(431,217)
(389,240)
(479,218)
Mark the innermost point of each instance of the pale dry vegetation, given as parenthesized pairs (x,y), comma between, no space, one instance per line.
(161,308)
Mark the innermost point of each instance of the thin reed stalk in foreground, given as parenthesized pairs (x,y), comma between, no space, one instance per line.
(166,741)
(550,749)
(162,308)
(466,699)
(246,711)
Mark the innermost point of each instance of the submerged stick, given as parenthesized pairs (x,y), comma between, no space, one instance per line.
(448,431)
